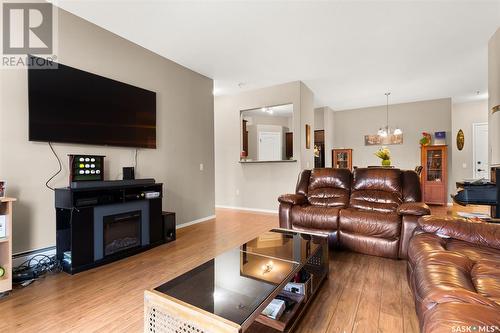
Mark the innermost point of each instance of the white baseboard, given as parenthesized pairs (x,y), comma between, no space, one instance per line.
(19,258)
(203,219)
(271,211)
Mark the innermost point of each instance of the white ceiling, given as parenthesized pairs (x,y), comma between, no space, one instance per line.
(348,52)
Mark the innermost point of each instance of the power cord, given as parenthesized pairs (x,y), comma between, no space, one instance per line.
(35,268)
(58,171)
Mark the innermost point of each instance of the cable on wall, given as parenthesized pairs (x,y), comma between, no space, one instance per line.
(58,171)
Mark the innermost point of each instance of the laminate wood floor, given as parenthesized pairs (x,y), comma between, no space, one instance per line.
(363,293)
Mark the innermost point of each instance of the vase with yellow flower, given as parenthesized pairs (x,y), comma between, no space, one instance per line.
(385,155)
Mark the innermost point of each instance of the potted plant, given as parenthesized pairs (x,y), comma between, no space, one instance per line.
(426,139)
(385,155)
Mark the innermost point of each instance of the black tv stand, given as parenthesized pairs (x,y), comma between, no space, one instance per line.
(111,183)
(106,221)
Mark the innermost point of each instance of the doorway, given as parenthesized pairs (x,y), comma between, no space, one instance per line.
(270,146)
(480,150)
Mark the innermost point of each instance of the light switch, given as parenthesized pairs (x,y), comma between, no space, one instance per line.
(464,165)
(201,166)
(237,191)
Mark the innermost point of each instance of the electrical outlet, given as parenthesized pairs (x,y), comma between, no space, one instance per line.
(201,166)
(464,165)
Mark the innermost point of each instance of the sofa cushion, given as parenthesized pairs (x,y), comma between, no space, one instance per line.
(329,177)
(374,246)
(472,251)
(329,197)
(380,179)
(329,187)
(376,189)
(445,270)
(476,232)
(370,223)
(315,217)
(374,200)
(486,279)
(461,317)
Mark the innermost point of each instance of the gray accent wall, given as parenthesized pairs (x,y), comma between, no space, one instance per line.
(185,132)
(350,127)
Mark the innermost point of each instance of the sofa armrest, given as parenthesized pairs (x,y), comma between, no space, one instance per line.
(480,233)
(414,208)
(292,199)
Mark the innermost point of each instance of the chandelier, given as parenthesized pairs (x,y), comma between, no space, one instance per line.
(386,131)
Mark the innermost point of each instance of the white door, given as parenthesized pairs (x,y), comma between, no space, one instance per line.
(269,146)
(480,150)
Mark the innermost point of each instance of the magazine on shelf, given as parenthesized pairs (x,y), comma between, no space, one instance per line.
(275,309)
(3,226)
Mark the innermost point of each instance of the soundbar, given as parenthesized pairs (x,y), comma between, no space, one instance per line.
(111,183)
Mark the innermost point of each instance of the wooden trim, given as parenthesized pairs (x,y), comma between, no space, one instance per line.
(185,313)
(6,245)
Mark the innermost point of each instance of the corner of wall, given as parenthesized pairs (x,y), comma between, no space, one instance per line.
(306,118)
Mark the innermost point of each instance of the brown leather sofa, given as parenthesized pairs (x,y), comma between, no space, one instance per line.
(372,210)
(454,272)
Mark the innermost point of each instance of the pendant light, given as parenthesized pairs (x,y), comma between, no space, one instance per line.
(383,132)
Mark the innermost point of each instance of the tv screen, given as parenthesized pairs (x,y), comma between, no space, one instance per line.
(73,106)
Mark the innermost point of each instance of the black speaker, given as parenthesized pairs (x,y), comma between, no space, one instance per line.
(128,173)
(168,226)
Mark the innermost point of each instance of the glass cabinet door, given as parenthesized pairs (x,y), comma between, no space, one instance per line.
(342,160)
(434,165)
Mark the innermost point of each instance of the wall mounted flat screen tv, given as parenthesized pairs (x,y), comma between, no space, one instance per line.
(73,106)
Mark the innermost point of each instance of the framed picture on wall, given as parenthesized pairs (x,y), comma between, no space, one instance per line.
(376,140)
(308,136)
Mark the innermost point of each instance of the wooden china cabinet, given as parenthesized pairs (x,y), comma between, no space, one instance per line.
(342,158)
(434,178)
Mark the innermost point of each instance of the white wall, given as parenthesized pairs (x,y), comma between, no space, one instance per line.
(184,134)
(464,115)
(258,185)
(350,127)
(319,119)
(324,119)
(306,113)
(329,125)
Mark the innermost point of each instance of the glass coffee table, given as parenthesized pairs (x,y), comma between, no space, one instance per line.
(228,293)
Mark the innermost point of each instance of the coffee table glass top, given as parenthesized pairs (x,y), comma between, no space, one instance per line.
(234,284)
(284,245)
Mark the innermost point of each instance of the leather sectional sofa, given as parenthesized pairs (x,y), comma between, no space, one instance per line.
(453,263)
(454,272)
(372,210)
